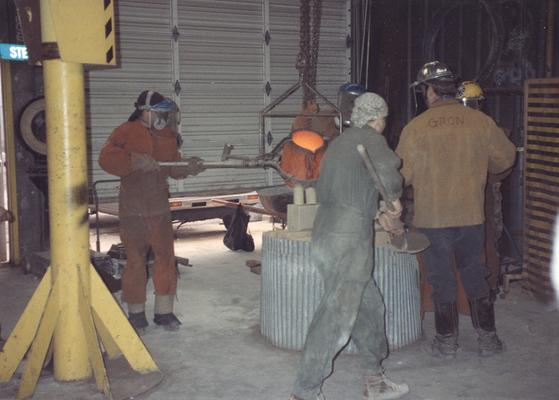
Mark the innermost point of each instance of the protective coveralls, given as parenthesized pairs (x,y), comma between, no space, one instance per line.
(342,251)
(145,218)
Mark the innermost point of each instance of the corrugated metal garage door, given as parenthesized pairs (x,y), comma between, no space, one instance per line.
(145,57)
(222,65)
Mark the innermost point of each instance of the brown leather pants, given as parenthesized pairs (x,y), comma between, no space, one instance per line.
(138,234)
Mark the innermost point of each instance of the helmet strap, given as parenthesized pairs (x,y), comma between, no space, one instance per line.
(148,98)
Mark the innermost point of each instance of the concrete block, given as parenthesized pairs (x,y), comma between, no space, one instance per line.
(300,217)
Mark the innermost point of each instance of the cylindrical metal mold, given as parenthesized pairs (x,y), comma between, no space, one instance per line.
(291,289)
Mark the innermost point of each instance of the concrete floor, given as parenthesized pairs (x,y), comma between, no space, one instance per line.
(220,354)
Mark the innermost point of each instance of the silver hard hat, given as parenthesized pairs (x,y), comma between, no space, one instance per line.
(434,70)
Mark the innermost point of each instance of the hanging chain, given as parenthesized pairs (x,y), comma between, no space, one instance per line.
(309,36)
(315,40)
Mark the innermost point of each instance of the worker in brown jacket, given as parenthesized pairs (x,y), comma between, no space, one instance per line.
(132,152)
(447,153)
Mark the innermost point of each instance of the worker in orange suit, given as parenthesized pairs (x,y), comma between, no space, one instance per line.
(133,152)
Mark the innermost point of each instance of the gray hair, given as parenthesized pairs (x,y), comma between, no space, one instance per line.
(367,107)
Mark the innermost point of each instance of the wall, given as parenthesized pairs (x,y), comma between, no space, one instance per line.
(30,169)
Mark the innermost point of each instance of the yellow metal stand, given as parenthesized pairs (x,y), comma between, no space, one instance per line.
(71,312)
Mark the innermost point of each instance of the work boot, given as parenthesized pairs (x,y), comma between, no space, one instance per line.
(168,321)
(379,387)
(138,321)
(483,320)
(445,342)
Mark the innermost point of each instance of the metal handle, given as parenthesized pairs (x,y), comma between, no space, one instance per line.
(372,171)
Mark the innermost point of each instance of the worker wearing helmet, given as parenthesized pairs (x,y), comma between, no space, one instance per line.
(341,250)
(470,94)
(347,93)
(447,153)
(132,152)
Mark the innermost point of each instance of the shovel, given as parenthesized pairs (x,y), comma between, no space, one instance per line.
(406,242)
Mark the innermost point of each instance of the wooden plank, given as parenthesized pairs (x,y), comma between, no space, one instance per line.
(537,81)
(542,129)
(540,244)
(552,120)
(546,100)
(535,261)
(537,212)
(536,165)
(546,90)
(540,224)
(543,109)
(545,216)
(537,252)
(539,196)
(540,175)
(541,147)
(548,237)
(542,157)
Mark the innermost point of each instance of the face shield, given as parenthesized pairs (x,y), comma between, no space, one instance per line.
(346,99)
(471,103)
(165,114)
(419,92)
(430,72)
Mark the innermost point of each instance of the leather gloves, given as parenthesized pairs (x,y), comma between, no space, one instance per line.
(195,165)
(143,162)
(390,220)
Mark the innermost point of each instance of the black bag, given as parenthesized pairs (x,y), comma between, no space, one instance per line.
(237,237)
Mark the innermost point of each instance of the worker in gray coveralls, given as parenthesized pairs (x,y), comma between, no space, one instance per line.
(342,251)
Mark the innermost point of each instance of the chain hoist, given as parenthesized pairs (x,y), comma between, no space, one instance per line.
(309,37)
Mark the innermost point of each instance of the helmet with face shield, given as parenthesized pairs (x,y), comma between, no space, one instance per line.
(347,94)
(437,75)
(433,72)
(163,112)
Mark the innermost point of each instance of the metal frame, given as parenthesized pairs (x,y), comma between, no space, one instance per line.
(267,111)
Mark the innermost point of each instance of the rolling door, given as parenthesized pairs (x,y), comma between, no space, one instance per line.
(221,75)
(217,70)
(145,57)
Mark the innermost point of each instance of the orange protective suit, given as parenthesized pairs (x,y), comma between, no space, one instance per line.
(145,217)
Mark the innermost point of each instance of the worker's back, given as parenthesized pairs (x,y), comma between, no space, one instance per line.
(448,151)
(344,180)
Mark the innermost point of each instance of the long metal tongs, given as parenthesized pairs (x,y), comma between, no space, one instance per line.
(407,241)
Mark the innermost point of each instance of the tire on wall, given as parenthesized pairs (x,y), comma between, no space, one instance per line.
(32,126)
